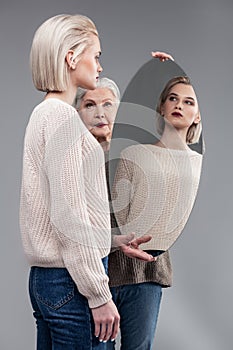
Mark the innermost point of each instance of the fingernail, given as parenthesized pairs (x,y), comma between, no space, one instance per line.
(101,340)
(105,341)
(113,339)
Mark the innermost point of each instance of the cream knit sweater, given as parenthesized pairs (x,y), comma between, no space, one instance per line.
(154,192)
(64,210)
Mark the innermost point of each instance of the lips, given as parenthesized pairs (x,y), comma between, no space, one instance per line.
(100,125)
(177,114)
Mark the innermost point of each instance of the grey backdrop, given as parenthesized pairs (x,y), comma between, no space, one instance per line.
(196,312)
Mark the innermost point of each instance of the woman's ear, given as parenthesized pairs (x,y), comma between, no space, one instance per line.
(197,118)
(70,59)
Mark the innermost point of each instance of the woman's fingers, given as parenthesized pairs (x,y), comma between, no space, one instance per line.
(163,56)
(107,320)
(137,241)
(137,253)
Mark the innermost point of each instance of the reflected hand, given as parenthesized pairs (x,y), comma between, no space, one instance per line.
(129,245)
(163,56)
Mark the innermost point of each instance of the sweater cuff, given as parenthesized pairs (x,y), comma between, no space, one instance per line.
(99,300)
(87,271)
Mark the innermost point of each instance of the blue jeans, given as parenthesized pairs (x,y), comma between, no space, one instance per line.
(138,306)
(64,320)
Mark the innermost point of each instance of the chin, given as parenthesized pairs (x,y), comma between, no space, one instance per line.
(101,134)
(90,85)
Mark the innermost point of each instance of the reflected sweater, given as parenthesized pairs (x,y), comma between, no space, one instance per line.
(64,210)
(153,193)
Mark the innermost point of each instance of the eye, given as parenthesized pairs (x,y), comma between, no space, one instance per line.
(107,104)
(89,105)
(172,98)
(190,103)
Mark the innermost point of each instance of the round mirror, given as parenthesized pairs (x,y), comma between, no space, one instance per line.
(155,156)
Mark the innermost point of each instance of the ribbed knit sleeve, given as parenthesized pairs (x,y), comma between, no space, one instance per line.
(64,205)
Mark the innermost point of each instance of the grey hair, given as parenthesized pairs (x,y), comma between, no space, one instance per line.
(102,83)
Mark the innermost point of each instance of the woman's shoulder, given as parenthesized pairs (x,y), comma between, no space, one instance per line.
(134,149)
(54,106)
(195,154)
(142,151)
(54,112)
(52,115)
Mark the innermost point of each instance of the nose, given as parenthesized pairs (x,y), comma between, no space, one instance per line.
(179,105)
(99,113)
(100,68)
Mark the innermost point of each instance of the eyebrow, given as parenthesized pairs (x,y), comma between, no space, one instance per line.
(88,100)
(91,100)
(189,97)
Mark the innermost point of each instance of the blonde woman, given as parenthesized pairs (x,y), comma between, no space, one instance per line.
(64,214)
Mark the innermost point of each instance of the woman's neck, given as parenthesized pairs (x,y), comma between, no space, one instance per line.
(66,96)
(173,139)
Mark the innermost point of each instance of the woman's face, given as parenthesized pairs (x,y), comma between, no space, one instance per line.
(180,108)
(98,111)
(88,67)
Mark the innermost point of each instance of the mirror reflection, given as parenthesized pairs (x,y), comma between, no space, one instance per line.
(154,163)
(155,168)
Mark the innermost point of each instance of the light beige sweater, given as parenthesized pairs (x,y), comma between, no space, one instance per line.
(154,192)
(64,210)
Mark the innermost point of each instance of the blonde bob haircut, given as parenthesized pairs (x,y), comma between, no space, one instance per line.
(51,43)
(194,131)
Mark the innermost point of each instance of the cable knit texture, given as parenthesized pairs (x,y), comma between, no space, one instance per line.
(153,193)
(64,210)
